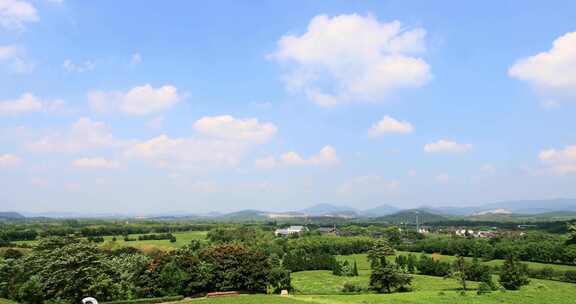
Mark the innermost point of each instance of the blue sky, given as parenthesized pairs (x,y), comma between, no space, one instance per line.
(116,106)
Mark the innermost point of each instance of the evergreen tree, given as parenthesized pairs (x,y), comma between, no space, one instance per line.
(355,269)
(411,263)
(385,276)
(513,274)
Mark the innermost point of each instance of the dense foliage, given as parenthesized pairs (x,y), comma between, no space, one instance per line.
(69,269)
(533,247)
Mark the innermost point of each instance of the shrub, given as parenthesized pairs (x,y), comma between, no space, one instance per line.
(513,274)
(484,288)
(352,287)
(569,276)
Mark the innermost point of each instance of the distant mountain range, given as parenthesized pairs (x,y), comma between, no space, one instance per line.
(553,208)
(11,216)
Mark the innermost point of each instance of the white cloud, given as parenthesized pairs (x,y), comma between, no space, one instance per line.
(27,103)
(72,67)
(326,157)
(351,58)
(390,125)
(8,52)
(83,135)
(368,184)
(219,141)
(561,161)
(230,128)
(266,162)
(552,72)
(14,58)
(95,162)
(9,160)
(447,146)
(140,100)
(14,14)
(164,151)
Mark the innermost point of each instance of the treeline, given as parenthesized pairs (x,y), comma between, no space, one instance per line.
(32,231)
(537,247)
(160,236)
(12,235)
(64,270)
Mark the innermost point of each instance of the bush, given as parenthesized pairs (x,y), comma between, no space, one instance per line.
(352,287)
(484,288)
(513,274)
(148,300)
(569,276)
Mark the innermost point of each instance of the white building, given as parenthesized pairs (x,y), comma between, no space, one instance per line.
(290,231)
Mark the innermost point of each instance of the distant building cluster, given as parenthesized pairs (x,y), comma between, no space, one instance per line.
(292,230)
(298,230)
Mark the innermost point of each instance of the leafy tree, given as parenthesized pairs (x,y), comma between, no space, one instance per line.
(572,232)
(385,276)
(459,271)
(513,274)
(411,263)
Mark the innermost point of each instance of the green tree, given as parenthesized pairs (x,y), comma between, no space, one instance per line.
(386,276)
(459,271)
(355,269)
(513,274)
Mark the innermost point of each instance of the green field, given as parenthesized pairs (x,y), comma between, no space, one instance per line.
(428,290)
(362,261)
(182,239)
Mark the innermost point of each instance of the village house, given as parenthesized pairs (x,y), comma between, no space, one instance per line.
(328,231)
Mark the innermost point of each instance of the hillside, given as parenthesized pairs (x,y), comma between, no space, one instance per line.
(410,216)
(11,216)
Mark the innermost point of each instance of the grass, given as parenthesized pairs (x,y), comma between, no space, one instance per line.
(182,239)
(362,261)
(427,290)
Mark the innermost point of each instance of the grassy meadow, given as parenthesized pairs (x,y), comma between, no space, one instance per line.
(429,290)
(182,239)
(362,261)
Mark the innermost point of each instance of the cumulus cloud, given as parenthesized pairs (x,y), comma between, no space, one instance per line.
(9,160)
(84,134)
(561,161)
(389,125)
(230,128)
(447,146)
(14,14)
(164,151)
(368,184)
(28,103)
(552,72)
(72,67)
(140,100)
(350,58)
(95,162)
(219,141)
(326,157)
